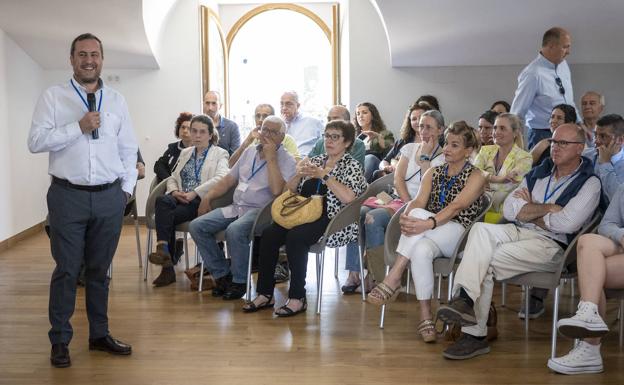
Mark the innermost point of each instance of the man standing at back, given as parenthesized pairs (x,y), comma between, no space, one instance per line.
(85,126)
(304,129)
(229,135)
(543,84)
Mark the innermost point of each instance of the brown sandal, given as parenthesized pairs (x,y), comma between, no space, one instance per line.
(382,294)
(427,330)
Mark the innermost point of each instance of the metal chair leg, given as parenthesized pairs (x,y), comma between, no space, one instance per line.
(362,280)
(138,240)
(621,323)
(409,278)
(320,283)
(572,287)
(527,291)
(439,286)
(248,295)
(148,249)
(109,272)
(383,307)
(337,249)
(553,344)
(186,250)
(503,294)
(451,277)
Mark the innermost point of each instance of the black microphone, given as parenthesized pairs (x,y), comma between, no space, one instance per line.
(91,102)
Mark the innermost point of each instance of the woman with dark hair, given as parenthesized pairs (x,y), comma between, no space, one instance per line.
(338,177)
(448,201)
(501,107)
(430,100)
(562,113)
(201,166)
(486,127)
(409,134)
(164,165)
(377,139)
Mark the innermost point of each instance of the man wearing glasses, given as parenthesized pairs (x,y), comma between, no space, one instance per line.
(551,204)
(543,84)
(608,155)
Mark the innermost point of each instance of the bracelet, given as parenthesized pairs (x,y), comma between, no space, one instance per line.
(435,223)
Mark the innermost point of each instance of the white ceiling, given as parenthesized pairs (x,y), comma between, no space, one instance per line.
(45,29)
(424,33)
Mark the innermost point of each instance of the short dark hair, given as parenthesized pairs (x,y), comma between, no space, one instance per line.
(553,35)
(183,117)
(431,100)
(205,119)
(615,121)
(461,128)
(502,103)
(346,128)
(85,36)
(569,112)
(489,115)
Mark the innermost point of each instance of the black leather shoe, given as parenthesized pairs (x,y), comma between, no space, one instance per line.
(221,285)
(59,357)
(110,345)
(235,291)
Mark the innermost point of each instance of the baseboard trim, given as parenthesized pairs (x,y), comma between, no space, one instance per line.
(29,232)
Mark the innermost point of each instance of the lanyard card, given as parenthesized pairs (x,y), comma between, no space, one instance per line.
(242,186)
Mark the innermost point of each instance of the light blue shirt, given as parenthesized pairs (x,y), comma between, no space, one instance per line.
(306,131)
(611,174)
(612,224)
(75,156)
(538,92)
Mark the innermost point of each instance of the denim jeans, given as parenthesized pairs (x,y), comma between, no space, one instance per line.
(374,235)
(536,135)
(237,229)
(371,164)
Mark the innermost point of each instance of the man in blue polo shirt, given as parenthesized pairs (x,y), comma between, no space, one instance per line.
(229,135)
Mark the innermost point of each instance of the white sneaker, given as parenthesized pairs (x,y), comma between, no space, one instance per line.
(584,358)
(586,323)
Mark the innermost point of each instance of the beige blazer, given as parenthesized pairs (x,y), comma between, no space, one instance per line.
(214,168)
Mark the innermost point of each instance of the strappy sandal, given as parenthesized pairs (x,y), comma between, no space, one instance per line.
(427,330)
(251,307)
(382,294)
(288,312)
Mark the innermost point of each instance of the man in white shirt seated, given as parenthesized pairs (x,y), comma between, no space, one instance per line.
(592,105)
(551,204)
(306,130)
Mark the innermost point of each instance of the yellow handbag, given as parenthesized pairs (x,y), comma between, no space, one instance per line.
(289,209)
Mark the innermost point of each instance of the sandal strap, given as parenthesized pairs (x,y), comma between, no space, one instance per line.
(385,290)
(426,325)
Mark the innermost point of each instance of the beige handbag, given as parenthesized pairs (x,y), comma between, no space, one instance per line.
(289,209)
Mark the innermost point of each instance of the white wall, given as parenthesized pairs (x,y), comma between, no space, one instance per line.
(22,200)
(463,92)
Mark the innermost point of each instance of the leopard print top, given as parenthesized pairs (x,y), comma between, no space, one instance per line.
(468,215)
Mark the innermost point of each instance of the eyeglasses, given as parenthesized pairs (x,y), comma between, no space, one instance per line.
(332,137)
(560,85)
(563,143)
(266,131)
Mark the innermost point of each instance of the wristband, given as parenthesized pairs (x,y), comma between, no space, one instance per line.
(435,223)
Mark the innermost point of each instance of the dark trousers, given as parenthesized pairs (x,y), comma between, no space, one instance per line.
(84,227)
(168,214)
(535,135)
(298,241)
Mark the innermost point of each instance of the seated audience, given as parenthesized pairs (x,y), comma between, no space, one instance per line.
(600,264)
(201,166)
(500,106)
(261,112)
(259,176)
(608,153)
(306,130)
(551,204)
(377,139)
(486,127)
(409,134)
(592,105)
(448,201)
(416,159)
(503,163)
(338,177)
(165,164)
(358,150)
(562,113)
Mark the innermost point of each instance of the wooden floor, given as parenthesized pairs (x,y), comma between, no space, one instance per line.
(183,337)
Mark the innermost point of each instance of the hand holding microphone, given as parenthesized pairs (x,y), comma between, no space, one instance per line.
(90,122)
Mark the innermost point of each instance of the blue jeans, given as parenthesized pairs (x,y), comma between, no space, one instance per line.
(237,229)
(374,235)
(536,135)
(371,164)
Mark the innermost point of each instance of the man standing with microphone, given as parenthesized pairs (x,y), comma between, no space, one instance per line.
(85,126)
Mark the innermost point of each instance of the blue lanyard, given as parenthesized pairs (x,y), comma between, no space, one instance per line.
(447,186)
(548,196)
(83,99)
(254,171)
(318,185)
(196,170)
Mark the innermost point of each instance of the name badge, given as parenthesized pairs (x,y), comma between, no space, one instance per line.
(242,186)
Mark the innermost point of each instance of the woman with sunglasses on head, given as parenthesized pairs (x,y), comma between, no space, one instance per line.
(561,113)
(339,178)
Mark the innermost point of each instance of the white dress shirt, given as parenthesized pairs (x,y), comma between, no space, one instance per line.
(75,156)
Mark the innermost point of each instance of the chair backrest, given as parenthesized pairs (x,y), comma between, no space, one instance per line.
(224,200)
(346,216)
(569,255)
(150,205)
(385,183)
(153,184)
(392,236)
(262,220)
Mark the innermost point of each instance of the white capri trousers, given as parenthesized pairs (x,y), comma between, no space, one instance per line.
(423,248)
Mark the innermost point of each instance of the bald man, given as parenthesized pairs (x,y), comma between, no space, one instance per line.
(229,134)
(543,84)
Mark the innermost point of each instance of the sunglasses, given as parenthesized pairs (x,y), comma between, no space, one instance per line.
(560,85)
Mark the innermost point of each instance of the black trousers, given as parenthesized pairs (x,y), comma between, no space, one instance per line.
(169,213)
(298,241)
(84,227)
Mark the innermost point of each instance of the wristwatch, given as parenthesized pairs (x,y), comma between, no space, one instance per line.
(325,178)
(424,158)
